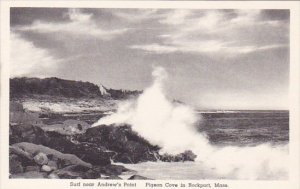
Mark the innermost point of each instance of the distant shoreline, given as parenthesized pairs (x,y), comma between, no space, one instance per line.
(242,111)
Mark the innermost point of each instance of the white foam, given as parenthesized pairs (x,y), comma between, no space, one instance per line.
(172,127)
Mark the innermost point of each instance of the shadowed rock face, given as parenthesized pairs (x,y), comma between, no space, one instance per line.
(88,152)
(71,149)
(28,160)
(15,164)
(98,145)
(28,133)
(56,151)
(40,154)
(18,116)
(128,145)
(138,177)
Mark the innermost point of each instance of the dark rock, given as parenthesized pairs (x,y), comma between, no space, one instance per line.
(122,94)
(111,170)
(138,177)
(92,174)
(21,153)
(18,116)
(67,159)
(188,155)
(76,171)
(128,146)
(41,158)
(98,145)
(30,174)
(19,159)
(112,177)
(28,133)
(32,168)
(53,165)
(89,152)
(15,107)
(76,168)
(79,127)
(185,156)
(15,164)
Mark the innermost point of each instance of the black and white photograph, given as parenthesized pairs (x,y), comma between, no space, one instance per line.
(149,94)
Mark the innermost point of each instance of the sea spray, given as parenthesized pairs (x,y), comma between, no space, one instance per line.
(160,121)
(172,127)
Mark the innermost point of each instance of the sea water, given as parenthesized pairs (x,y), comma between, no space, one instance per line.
(224,129)
(228,144)
(243,128)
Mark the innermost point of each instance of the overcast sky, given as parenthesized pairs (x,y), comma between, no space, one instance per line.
(226,59)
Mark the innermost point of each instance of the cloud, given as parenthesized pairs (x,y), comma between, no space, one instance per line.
(80,24)
(230,32)
(157,48)
(137,15)
(28,60)
(204,47)
(176,17)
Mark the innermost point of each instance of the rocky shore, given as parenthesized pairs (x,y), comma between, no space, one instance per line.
(72,149)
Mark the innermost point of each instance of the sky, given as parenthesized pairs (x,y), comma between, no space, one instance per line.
(215,59)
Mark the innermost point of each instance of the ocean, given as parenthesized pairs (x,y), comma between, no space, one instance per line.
(246,145)
(248,133)
(245,128)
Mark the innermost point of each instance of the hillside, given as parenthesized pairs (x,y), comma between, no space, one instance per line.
(55,87)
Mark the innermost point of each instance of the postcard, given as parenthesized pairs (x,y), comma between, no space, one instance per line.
(149,94)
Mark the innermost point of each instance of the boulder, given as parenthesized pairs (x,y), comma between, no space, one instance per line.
(111,170)
(30,175)
(66,159)
(53,176)
(112,177)
(15,107)
(188,155)
(92,174)
(185,156)
(53,165)
(88,152)
(98,145)
(18,116)
(93,153)
(138,177)
(19,160)
(32,168)
(128,146)
(68,127)
(15,164)
(20,152)
(28,133)
(75,172)
(46,168)
(41,158)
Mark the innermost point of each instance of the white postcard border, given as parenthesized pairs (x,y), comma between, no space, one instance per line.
(292,183)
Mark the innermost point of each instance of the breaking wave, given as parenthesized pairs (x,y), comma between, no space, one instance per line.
(172,127)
